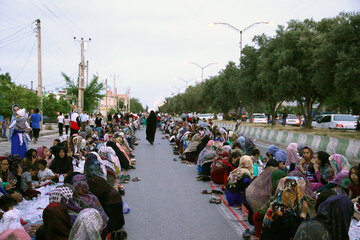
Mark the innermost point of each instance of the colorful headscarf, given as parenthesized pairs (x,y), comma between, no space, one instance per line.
(245,169)
(272,149)
(88,225)
(14,234)
(242,140)
(40,152)
(341,168)
(82,189)
(289,195)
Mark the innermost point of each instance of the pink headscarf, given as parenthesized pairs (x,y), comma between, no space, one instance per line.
(40,152)
(15,234)
(292,154)
(209,143)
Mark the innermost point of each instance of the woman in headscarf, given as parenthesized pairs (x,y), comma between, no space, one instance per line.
(190,151)
(9,181)
(341,167)
(258,217)
(306,164)
(219,164)
(57,224)
(88,226)
(16,148)
(202,145)
(110,200)
(272,149)
(238,180)
(124,162)
(292,154)
(322,171)
(30,158)
(81,186)
(65,195)
(242,140)
(206,157)
(331,222)
(62,164)
(287,211)
(151,123)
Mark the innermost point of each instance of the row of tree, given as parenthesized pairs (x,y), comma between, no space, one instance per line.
(315,63)
(10,94)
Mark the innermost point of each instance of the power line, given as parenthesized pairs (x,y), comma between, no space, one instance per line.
(27,60)
(16,32)
(16,40)
(12,61)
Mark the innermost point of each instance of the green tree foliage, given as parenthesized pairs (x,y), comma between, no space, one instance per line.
(52,106)
(92,93)
(12,94)
(135,105)
(312,63)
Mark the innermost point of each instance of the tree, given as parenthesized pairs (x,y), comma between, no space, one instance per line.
(135,105)
(92,95)
(52,106)
(12,94)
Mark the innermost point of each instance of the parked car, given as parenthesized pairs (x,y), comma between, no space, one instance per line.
(207,116)
(259,118)
(292,119)
(336,121)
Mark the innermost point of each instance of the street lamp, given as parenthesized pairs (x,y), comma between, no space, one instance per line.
(178,88)
(203,67)
(186,81)
(240,31)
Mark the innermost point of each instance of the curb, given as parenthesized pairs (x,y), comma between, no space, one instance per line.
(347,147)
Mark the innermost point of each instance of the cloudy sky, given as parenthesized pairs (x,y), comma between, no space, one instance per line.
(146,43)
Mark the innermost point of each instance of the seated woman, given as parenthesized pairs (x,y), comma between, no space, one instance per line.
(191,149)
(322,171)
(287,211)
(233,163)
(110,200)
(292,154)
(340,166)
(9,182)
(30,159)
(354,186)
(264,200)
(238,180)
(62,164)
(88,225)
(306,163)
(331,222)
(57,223)
(218,165)
(203,156)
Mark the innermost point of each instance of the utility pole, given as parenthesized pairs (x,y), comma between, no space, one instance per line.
(32,85)
(128,93)
(106,88)
(81,85)
(40,92)
(115,89)
(87,73)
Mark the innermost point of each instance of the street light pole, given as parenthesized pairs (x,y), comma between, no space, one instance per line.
(202,67)
(240,31)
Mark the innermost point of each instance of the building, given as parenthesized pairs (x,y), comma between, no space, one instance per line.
(111,101)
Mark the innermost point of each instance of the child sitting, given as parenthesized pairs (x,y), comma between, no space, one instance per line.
(44,172)
(26,183)
(256,157)
(11,216)
(21,125)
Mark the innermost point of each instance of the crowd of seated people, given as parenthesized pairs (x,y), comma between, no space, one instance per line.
(87,169)
(294,193)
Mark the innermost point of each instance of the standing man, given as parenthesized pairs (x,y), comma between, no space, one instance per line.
(151,123)
(60,120)
(35,121)
(183,117)
(83,119)
(284,116)
(75,123)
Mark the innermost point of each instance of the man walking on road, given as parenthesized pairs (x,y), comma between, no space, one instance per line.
(35,120)
(60,120)
(284,116)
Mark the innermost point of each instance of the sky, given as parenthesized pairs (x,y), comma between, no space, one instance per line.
(144,43)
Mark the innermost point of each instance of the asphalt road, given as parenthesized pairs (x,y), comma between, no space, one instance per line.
(167,203)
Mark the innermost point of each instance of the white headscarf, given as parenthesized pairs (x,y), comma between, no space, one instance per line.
(88,225)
